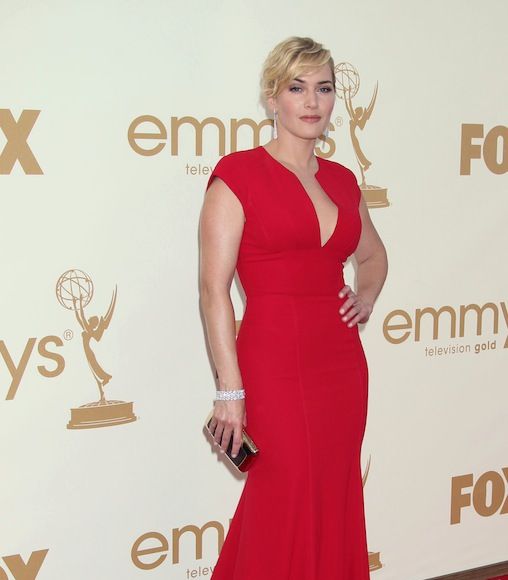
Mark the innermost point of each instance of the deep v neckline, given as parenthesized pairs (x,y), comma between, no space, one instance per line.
(309,199)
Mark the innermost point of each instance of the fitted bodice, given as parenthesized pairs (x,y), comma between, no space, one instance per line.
(280,250)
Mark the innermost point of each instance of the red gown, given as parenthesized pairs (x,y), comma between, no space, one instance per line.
(300,515)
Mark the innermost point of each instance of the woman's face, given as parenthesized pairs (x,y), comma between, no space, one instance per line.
(304,106)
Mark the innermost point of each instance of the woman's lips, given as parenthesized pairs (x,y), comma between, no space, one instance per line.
(310,119)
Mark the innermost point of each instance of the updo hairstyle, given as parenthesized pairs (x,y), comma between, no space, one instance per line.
(290,58)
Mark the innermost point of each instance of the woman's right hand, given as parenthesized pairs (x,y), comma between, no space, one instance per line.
(228,420)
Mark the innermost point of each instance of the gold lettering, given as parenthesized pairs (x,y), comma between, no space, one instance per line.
(28,571)
(504,509)
(16,371)
(504,310)
(468,150)
(132,135)
(480,493)
(256,130)
(388,327)
(234,128)
(479,319)
(460,500)
(17,148)
(435,314)
(490,149)
(176,123)
(59,360)
(198,532)
(330,143)
(136,552)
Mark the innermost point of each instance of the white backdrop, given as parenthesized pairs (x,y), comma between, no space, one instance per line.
(77,503)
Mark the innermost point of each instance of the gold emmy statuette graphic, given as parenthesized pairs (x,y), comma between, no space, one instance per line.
(348,82)
(74,291)
(374,557)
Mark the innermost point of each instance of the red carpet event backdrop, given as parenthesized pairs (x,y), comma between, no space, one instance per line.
(112,115)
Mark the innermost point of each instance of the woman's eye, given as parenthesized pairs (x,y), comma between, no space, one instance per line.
(297,89)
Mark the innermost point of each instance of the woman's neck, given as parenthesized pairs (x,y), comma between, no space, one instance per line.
(298,155)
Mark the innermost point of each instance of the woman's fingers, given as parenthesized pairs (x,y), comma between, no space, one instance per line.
(354,309)
(346,305)
(354,320)
(349,308)
(217,434)
(226,436)
(223,438)
(227,425)
(237,440)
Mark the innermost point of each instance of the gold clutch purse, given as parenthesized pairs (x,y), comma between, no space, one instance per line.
(247,452)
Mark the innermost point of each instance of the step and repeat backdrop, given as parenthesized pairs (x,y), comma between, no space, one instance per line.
(112,115)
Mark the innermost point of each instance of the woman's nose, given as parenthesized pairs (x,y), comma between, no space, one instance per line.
(311,100)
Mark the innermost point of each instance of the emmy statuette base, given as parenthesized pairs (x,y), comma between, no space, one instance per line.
(375,196)
(101,414)
(375,561)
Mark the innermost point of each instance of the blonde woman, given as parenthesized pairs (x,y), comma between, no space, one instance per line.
(287,220)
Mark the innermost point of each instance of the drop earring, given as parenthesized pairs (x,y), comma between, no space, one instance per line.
(274,132)
(324,136)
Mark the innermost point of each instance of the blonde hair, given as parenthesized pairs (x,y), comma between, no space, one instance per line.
(290,58)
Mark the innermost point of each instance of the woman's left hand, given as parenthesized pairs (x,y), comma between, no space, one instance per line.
(354,309)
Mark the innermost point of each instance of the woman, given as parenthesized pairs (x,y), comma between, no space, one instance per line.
(287,221)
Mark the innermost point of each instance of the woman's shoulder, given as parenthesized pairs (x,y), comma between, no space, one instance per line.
(338,169)
(239,157)
(236,170)
(238,160)
(343,178)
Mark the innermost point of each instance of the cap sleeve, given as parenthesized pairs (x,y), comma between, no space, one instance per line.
(357,192)
(229,170)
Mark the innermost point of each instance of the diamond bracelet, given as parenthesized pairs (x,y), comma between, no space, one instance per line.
(229,395)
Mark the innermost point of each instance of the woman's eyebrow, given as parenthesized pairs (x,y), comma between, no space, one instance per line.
(319,82)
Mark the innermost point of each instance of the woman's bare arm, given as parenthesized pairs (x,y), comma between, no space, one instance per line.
(221,225)
(371,258)
(372,262)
